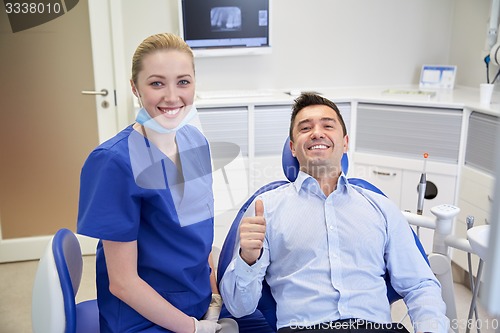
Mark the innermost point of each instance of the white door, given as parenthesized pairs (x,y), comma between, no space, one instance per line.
(105,19)
(49,126)
(104,89)
(110,65)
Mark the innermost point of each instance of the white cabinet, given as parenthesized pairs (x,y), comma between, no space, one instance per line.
(226,124)
(400,183)
(481,139)
(226,128)
(440,190)
(386,178)
(272,123)
(477,179)
(409,131)
(475,199)
(390,141)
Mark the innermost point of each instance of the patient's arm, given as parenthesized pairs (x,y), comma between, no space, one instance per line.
(412,277)
(241,284)
(252,233)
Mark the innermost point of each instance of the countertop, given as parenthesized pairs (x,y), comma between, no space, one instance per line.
(459,97)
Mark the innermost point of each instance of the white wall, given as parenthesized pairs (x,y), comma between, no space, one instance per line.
(337,43)
(341,43)
(468,41)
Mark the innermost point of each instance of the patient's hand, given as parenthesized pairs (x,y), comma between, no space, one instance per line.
(252,233)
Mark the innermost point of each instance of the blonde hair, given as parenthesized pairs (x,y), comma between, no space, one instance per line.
(163,41)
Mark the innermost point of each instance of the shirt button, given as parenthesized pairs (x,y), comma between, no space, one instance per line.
(331,227)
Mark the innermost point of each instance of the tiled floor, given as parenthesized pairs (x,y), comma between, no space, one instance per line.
(16,280)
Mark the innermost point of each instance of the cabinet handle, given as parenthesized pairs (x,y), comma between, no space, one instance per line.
(490,199)
(381,173)
(486,221)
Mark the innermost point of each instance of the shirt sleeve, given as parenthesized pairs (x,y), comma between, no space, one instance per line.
(108,208)
(241,284)
(412,277)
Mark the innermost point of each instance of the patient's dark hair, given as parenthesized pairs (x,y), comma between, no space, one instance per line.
(307,99)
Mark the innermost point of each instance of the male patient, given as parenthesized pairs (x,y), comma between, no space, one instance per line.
(324,245)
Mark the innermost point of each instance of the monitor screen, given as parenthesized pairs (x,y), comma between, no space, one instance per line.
(225,27)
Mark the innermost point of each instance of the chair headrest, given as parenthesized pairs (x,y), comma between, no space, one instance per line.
(290,164)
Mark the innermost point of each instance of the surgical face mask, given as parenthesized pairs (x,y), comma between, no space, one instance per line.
(145,119)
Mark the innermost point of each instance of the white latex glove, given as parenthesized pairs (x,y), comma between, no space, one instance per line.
(205,326)
(214,309)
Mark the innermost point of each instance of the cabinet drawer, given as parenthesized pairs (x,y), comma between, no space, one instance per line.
(481,139)
(387,179)
(272,124)
(228,124)
(460,257)
(444,184)
(481,216)
(405,131)
(477,188)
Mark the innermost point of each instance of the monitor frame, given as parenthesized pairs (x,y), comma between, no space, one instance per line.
(230,50)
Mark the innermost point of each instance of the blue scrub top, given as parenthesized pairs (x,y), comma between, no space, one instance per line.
(130,191)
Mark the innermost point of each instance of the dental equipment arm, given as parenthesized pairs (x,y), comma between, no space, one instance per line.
(439,258)
(493,35)
(421,188)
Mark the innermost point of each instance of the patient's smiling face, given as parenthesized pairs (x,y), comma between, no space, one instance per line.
(318,141)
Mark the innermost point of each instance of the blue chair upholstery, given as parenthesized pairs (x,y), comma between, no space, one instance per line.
(263,320)
(56,284)
(267,305)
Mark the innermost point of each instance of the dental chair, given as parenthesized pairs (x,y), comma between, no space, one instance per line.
(263,320)
(57,280)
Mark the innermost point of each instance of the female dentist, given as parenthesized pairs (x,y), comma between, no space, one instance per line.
(147,195)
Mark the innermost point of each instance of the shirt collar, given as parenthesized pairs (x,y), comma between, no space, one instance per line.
(304,180)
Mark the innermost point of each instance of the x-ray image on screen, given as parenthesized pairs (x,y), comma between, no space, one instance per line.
(225,27)
(225,18)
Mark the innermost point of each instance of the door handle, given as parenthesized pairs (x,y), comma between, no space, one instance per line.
(103,92)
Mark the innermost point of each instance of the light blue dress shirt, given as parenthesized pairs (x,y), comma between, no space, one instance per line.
(325,259)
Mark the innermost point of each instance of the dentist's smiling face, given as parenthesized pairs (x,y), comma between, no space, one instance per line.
(166,86)
(318,140)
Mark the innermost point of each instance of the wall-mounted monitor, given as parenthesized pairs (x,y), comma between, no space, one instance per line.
(225,27)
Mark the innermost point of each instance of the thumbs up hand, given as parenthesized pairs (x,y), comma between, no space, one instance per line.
(252,233)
